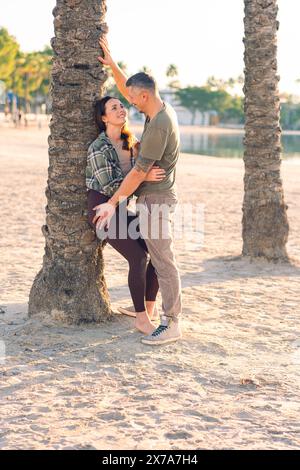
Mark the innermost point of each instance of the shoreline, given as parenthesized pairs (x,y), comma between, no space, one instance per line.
(35,121)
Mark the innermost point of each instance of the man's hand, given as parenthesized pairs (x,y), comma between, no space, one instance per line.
(104,213)
(118,74)
(107,59)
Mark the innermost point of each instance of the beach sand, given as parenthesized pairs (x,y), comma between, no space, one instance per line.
(233,382)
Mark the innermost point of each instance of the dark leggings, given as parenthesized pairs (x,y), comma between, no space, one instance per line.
(142,279)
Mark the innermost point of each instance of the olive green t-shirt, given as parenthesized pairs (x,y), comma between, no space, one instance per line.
(160,143)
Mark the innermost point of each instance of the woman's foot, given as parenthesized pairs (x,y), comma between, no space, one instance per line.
(129,311)
(152,312)
(144,324)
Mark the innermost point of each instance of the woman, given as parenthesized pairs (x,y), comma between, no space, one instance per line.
(110,157)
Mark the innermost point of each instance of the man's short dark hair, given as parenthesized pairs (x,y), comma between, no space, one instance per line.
(142,80)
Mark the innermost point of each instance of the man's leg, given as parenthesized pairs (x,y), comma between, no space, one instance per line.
(156,213)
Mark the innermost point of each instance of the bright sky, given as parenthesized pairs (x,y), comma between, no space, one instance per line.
(202,37)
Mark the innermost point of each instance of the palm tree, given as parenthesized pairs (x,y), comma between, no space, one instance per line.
(32,69)
(146,69)
(265,224)
(172,73)
(70,287)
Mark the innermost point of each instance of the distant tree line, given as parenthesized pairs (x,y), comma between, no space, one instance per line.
(24,74)
(290,112)
(213,96)
(27,76)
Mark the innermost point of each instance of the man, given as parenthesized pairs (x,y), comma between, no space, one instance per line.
(160,147)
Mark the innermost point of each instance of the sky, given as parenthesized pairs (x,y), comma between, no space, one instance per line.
(202,37)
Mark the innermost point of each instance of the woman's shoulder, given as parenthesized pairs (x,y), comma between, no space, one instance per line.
(101,143)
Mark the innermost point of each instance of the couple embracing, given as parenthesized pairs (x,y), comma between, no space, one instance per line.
(118,167)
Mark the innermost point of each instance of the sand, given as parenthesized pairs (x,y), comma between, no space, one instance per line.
(231,383)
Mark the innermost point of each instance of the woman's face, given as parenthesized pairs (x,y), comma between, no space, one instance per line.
(115,113)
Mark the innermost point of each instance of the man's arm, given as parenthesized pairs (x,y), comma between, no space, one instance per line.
(131,182)
(152,149)
(153,146)
(118,74)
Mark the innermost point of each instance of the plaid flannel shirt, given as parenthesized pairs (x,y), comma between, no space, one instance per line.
(103,171)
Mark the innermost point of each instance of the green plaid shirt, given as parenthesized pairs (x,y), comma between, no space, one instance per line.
(103,171)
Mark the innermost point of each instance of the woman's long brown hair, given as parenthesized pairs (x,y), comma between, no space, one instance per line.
(126,135)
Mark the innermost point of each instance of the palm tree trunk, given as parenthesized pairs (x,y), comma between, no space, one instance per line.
(70,286)
(265,224)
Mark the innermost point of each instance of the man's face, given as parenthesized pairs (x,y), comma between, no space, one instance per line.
(137,98)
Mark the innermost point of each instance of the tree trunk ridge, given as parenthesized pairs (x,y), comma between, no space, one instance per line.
(265,224)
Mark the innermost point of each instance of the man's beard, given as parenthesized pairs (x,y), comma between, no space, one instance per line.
(141,112)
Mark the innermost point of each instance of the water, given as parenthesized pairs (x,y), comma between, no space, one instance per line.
(231,145)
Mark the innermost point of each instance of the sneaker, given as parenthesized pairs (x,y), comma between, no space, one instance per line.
(164,334)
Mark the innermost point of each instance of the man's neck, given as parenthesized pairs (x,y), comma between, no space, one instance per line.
(155,107)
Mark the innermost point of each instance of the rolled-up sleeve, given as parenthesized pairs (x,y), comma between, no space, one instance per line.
(153,146)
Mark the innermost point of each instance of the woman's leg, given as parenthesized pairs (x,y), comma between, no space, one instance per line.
(130,249)
(152,285)
(137,260)
(94,198)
